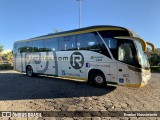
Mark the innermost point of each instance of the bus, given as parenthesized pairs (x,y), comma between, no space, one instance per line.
(99,55)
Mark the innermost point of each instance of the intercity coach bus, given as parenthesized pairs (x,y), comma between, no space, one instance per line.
(98,54)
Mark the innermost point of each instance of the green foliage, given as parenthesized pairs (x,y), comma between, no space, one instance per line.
(6,66)
(155,58)
(149,49)
(1,48)
(6,56)
(157,51)
(57,30)
(9,57)
(155,68)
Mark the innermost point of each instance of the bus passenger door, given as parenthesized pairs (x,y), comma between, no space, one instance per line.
(125,59)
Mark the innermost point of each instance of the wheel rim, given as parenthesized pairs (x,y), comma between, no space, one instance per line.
(99,79)
(29,71)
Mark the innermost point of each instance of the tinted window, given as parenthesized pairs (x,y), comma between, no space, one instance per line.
(37,46)
(122,50)
(18,47)
(51,44)
(88,41)
(28,47)
(113,33)
(125,52)
(108,36)
(111,42)
(22,47)
(15,48)
(67,43)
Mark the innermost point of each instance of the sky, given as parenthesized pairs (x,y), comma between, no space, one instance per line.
(24,19)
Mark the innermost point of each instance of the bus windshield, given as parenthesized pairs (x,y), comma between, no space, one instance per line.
(122,50)
(142,57)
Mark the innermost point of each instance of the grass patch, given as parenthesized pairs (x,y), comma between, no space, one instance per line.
(6,67)
(155,68)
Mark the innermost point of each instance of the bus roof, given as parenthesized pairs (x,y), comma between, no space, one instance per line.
(77,31)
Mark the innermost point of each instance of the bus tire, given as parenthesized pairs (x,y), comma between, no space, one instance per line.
(98,79)
(29,71)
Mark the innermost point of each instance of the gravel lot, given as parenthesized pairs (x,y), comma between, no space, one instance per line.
(21,93)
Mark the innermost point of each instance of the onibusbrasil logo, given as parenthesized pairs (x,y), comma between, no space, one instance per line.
(77,60)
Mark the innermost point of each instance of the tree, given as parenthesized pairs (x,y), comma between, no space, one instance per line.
(155,58)
(157,51)
(1,48)
(9,57)
(57,30)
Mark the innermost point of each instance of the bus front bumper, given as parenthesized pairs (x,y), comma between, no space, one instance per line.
(143,80)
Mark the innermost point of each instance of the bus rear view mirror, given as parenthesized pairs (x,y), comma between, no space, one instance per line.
(151,45)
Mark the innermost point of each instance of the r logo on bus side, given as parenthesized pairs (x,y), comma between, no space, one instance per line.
(77,60)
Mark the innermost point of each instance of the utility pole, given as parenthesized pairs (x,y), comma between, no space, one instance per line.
(80,13)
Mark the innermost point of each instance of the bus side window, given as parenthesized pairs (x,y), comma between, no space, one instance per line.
(67,43)
(25,47)
(29,46)
(37,46)
(88,41)
(22,47)
(19,47)
(15,48)
(50,44)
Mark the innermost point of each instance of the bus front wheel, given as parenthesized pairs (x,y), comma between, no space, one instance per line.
(29,71)
(98,79)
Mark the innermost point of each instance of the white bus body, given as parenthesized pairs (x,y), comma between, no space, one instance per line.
(106,60)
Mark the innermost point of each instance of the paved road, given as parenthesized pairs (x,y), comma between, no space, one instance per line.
(21,93)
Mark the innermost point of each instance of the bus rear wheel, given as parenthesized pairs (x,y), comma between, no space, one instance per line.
(29,71)
(98,79)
